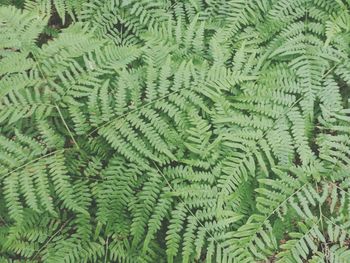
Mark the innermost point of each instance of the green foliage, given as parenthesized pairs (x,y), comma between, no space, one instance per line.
(175,131)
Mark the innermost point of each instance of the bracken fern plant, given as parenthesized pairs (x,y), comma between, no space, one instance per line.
(175,131)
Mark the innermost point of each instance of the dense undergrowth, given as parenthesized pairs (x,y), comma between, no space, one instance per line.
(175,131)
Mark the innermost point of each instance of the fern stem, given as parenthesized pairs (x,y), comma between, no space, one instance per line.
(134,110)
(335,224)
(106,250)
(65,124)
(320,210)
(182,201)
(51,238)
(3,220)
(35,160)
